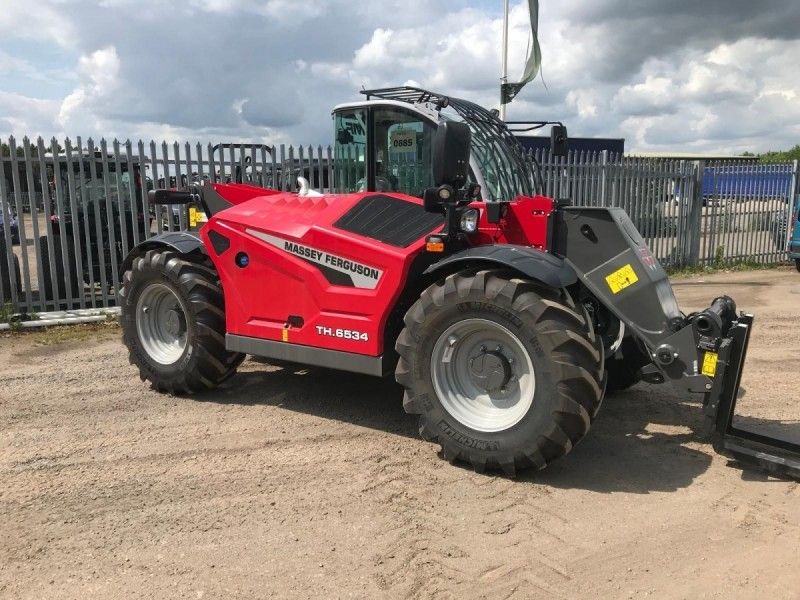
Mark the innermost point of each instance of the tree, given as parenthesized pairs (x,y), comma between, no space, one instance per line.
(778,156)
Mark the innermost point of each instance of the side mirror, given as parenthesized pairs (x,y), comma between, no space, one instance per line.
(559,140)
(451,154)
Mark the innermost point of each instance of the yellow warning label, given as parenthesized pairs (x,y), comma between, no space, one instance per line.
(285,335)
(196,217)
(710,364)
(622,278)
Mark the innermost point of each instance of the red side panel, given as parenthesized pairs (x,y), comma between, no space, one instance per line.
(298,269)
(236,193)
(526,222)
(290,274)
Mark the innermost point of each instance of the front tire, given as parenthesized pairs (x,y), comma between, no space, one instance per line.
(529,381)
(797,264)
(173,322)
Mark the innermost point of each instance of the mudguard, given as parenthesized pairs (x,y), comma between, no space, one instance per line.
(180,241)
(544,267)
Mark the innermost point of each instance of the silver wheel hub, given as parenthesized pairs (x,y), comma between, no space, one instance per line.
(490,370)
(483,375)
(161,324)
(174,324)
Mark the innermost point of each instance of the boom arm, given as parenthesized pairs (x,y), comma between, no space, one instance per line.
(702,353)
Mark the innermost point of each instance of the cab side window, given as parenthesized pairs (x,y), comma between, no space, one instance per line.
(351,151)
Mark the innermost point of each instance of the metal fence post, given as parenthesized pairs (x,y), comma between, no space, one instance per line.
(11,264)
(604,177)
(695,222)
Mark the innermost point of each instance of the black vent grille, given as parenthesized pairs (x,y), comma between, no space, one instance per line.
(219,242)
(389,220)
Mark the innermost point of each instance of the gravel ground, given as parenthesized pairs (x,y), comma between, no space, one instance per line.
(297,484)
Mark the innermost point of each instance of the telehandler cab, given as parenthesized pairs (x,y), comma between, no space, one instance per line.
(504,314)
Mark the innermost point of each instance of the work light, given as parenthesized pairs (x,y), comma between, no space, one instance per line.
(469,220)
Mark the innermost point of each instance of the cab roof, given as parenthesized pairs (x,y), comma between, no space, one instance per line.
(422,109)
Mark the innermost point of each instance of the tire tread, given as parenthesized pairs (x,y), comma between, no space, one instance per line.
(577,358)
(198,280)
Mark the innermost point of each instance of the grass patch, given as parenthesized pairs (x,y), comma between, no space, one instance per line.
(8,314)
(718,267)
(61,334)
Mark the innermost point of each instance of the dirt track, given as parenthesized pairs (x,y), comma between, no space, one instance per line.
(315,484)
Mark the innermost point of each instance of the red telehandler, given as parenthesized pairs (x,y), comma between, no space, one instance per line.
(504,314)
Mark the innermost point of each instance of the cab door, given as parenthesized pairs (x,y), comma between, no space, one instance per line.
(403,144)
(383,148)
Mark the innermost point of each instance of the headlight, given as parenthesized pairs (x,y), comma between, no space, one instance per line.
(469,220)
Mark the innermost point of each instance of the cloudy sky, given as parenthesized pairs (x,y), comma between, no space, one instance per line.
(682,75)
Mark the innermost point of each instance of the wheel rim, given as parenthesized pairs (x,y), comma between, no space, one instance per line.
(161,324)
(483,375)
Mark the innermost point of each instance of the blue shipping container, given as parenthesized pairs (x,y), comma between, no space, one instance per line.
(744,182)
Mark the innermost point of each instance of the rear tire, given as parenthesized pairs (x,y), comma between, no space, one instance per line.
(797,264)
(566,357)
(173,322)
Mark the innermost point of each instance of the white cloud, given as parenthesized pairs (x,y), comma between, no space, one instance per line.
(585,103)
(731,98)
(11,64)
(652,96)
(376,52)
(280,10)
(21,115)
(41,22)
(98,73)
